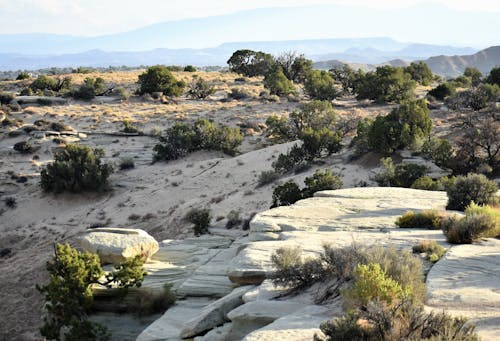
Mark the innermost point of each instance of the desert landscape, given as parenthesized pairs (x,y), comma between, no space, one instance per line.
(272,197)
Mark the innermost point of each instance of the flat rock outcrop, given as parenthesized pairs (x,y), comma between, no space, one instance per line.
(466,281)
(116,245)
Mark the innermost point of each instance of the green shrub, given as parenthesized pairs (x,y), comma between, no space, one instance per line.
(320,85)
(200,218)
(442,91)
(295,157)
(267,177)
(90,88)
(251,63)
(292,271)
(128,127)
(319,142)
(200,89)
(469,228)
(189,68)
(182,139)
(286,194)
(159,79)
(427,219)
(69,295)
(401,175)
(278,84)
(23,147)
(471,188)
(372,284)
(426,183)
(279,129)
(239,94)
(439,151)
(22,76)
(494,76)
(493,212)
(75,169)
(321,181)
(44,83)
(420,72)
(401,128)
(433,251)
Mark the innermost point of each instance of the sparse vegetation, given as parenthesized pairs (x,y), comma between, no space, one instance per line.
(200,89)
(433,251)
(23,147)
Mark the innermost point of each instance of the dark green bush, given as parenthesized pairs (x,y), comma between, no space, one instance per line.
(10,202)
(127,163)
(278,84)
(426,183)
(427,219)
(189,68)
(182,139)
(469,228)
(401,128)
(75,169)
(286,194)
(233,219)
(471,188)
(22,76)
(321,181)
(439,151)
(442,91)
(420,72)
(159,79)
(200,218)
(401,175)
(251,63)
(494,76)
(294,158)
(23,147)
(319,142)
(320,85)
(90,88)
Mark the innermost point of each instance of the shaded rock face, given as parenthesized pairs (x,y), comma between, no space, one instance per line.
(205,270)
(115,245)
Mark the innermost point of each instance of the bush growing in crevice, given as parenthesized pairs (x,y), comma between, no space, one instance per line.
(233,219)
(433,251)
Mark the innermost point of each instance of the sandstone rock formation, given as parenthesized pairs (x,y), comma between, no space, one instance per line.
(115,245)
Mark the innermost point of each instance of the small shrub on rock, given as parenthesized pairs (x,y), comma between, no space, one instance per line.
(10,202)
(428,219)
(127,163)
(426,183)
(471,188)
(233,219)
(433,251)
(469,228)
(200,218)
(76,169)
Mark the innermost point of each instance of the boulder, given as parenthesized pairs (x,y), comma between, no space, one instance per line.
(217,334)
(116,245)
(214,314)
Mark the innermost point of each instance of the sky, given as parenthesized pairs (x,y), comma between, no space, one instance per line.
(100,17)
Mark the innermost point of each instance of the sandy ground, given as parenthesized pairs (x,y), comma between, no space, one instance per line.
(153,197)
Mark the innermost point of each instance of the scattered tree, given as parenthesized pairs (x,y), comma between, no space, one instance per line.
(159,79)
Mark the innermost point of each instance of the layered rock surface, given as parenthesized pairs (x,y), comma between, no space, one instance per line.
(212,266)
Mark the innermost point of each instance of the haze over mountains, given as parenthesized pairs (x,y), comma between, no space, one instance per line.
(204,41)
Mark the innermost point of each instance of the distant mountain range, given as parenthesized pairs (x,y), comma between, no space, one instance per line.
(362,50)
(448,66)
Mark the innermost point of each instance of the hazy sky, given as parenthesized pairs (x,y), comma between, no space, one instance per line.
(97,17)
